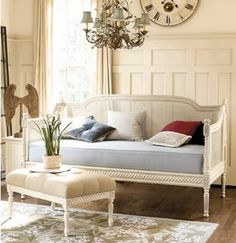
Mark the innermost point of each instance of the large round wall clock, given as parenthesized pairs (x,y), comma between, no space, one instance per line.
(169,12)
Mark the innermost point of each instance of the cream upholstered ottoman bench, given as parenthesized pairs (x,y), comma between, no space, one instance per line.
(67,189)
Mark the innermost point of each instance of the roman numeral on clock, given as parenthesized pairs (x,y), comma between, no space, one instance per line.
(149,7)
(167,19)
(189,6)
(157,16)
(181,16)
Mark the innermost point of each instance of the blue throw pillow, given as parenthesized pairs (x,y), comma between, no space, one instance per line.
(91,131)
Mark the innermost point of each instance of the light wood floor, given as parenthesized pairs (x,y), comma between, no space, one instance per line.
(169,202)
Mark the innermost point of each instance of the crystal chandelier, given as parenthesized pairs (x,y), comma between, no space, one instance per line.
(113,27)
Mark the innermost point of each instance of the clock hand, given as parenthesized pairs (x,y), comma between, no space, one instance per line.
(176,5)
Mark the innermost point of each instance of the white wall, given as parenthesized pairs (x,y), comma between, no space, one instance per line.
(4,12)
(18,17)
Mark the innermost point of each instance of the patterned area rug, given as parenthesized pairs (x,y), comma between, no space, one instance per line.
(33,223)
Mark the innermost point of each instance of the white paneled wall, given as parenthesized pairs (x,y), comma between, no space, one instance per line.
(20,55)
(201,67)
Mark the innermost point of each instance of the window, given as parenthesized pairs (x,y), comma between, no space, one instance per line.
(74,60)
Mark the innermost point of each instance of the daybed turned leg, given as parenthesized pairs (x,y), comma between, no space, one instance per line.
(10,203)
(53,205)
(206,198)
(110,211)
(223,183)
(66,220)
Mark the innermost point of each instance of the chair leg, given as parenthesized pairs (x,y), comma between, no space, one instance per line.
(223,183)
(206,198)
(66,220)
(110,211)
(10,202)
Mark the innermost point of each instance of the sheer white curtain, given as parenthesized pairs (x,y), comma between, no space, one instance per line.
(104,67)
(42,51)
(104,72)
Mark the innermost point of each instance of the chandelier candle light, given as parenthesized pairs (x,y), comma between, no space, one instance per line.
(112,28)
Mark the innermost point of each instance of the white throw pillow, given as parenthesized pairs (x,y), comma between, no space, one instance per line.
(169,139)
(129,125)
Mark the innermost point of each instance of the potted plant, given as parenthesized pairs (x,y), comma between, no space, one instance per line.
(51,135)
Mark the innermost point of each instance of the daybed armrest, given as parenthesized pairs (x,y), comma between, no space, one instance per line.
(215,149)
(29,134)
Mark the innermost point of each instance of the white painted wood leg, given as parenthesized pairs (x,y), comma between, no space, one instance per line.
(10,203)
(223,184)
(110,211)
(206,198)
(53,205)
(66,220)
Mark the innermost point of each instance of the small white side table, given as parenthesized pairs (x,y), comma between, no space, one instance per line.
(13,153)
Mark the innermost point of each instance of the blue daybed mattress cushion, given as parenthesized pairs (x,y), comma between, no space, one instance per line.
(127,155)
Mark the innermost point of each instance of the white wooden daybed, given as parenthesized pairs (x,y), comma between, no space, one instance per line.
(160,110)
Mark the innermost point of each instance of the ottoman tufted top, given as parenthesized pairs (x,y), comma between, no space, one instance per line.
(66,185)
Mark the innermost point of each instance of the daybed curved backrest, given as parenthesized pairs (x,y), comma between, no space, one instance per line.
(160,110)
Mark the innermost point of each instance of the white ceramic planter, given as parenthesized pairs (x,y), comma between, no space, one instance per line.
(52,162)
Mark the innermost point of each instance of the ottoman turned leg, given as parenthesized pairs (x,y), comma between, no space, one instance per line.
(66,220)
(10,203)
(110,211)
(206,198)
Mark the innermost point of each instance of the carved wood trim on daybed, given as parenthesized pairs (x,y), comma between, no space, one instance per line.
(168,108)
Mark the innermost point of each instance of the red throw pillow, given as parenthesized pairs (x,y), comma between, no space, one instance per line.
(185,127)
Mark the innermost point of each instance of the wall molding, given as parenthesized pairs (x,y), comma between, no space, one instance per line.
(197,66)
(156,36)
(20,40)
(21,68)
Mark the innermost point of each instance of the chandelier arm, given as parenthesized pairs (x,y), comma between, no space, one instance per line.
(90,39)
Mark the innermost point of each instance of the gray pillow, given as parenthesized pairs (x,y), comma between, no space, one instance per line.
(91,131)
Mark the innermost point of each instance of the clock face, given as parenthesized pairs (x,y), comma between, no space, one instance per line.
(169,12)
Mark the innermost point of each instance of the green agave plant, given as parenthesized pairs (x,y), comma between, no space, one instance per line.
(51,134)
